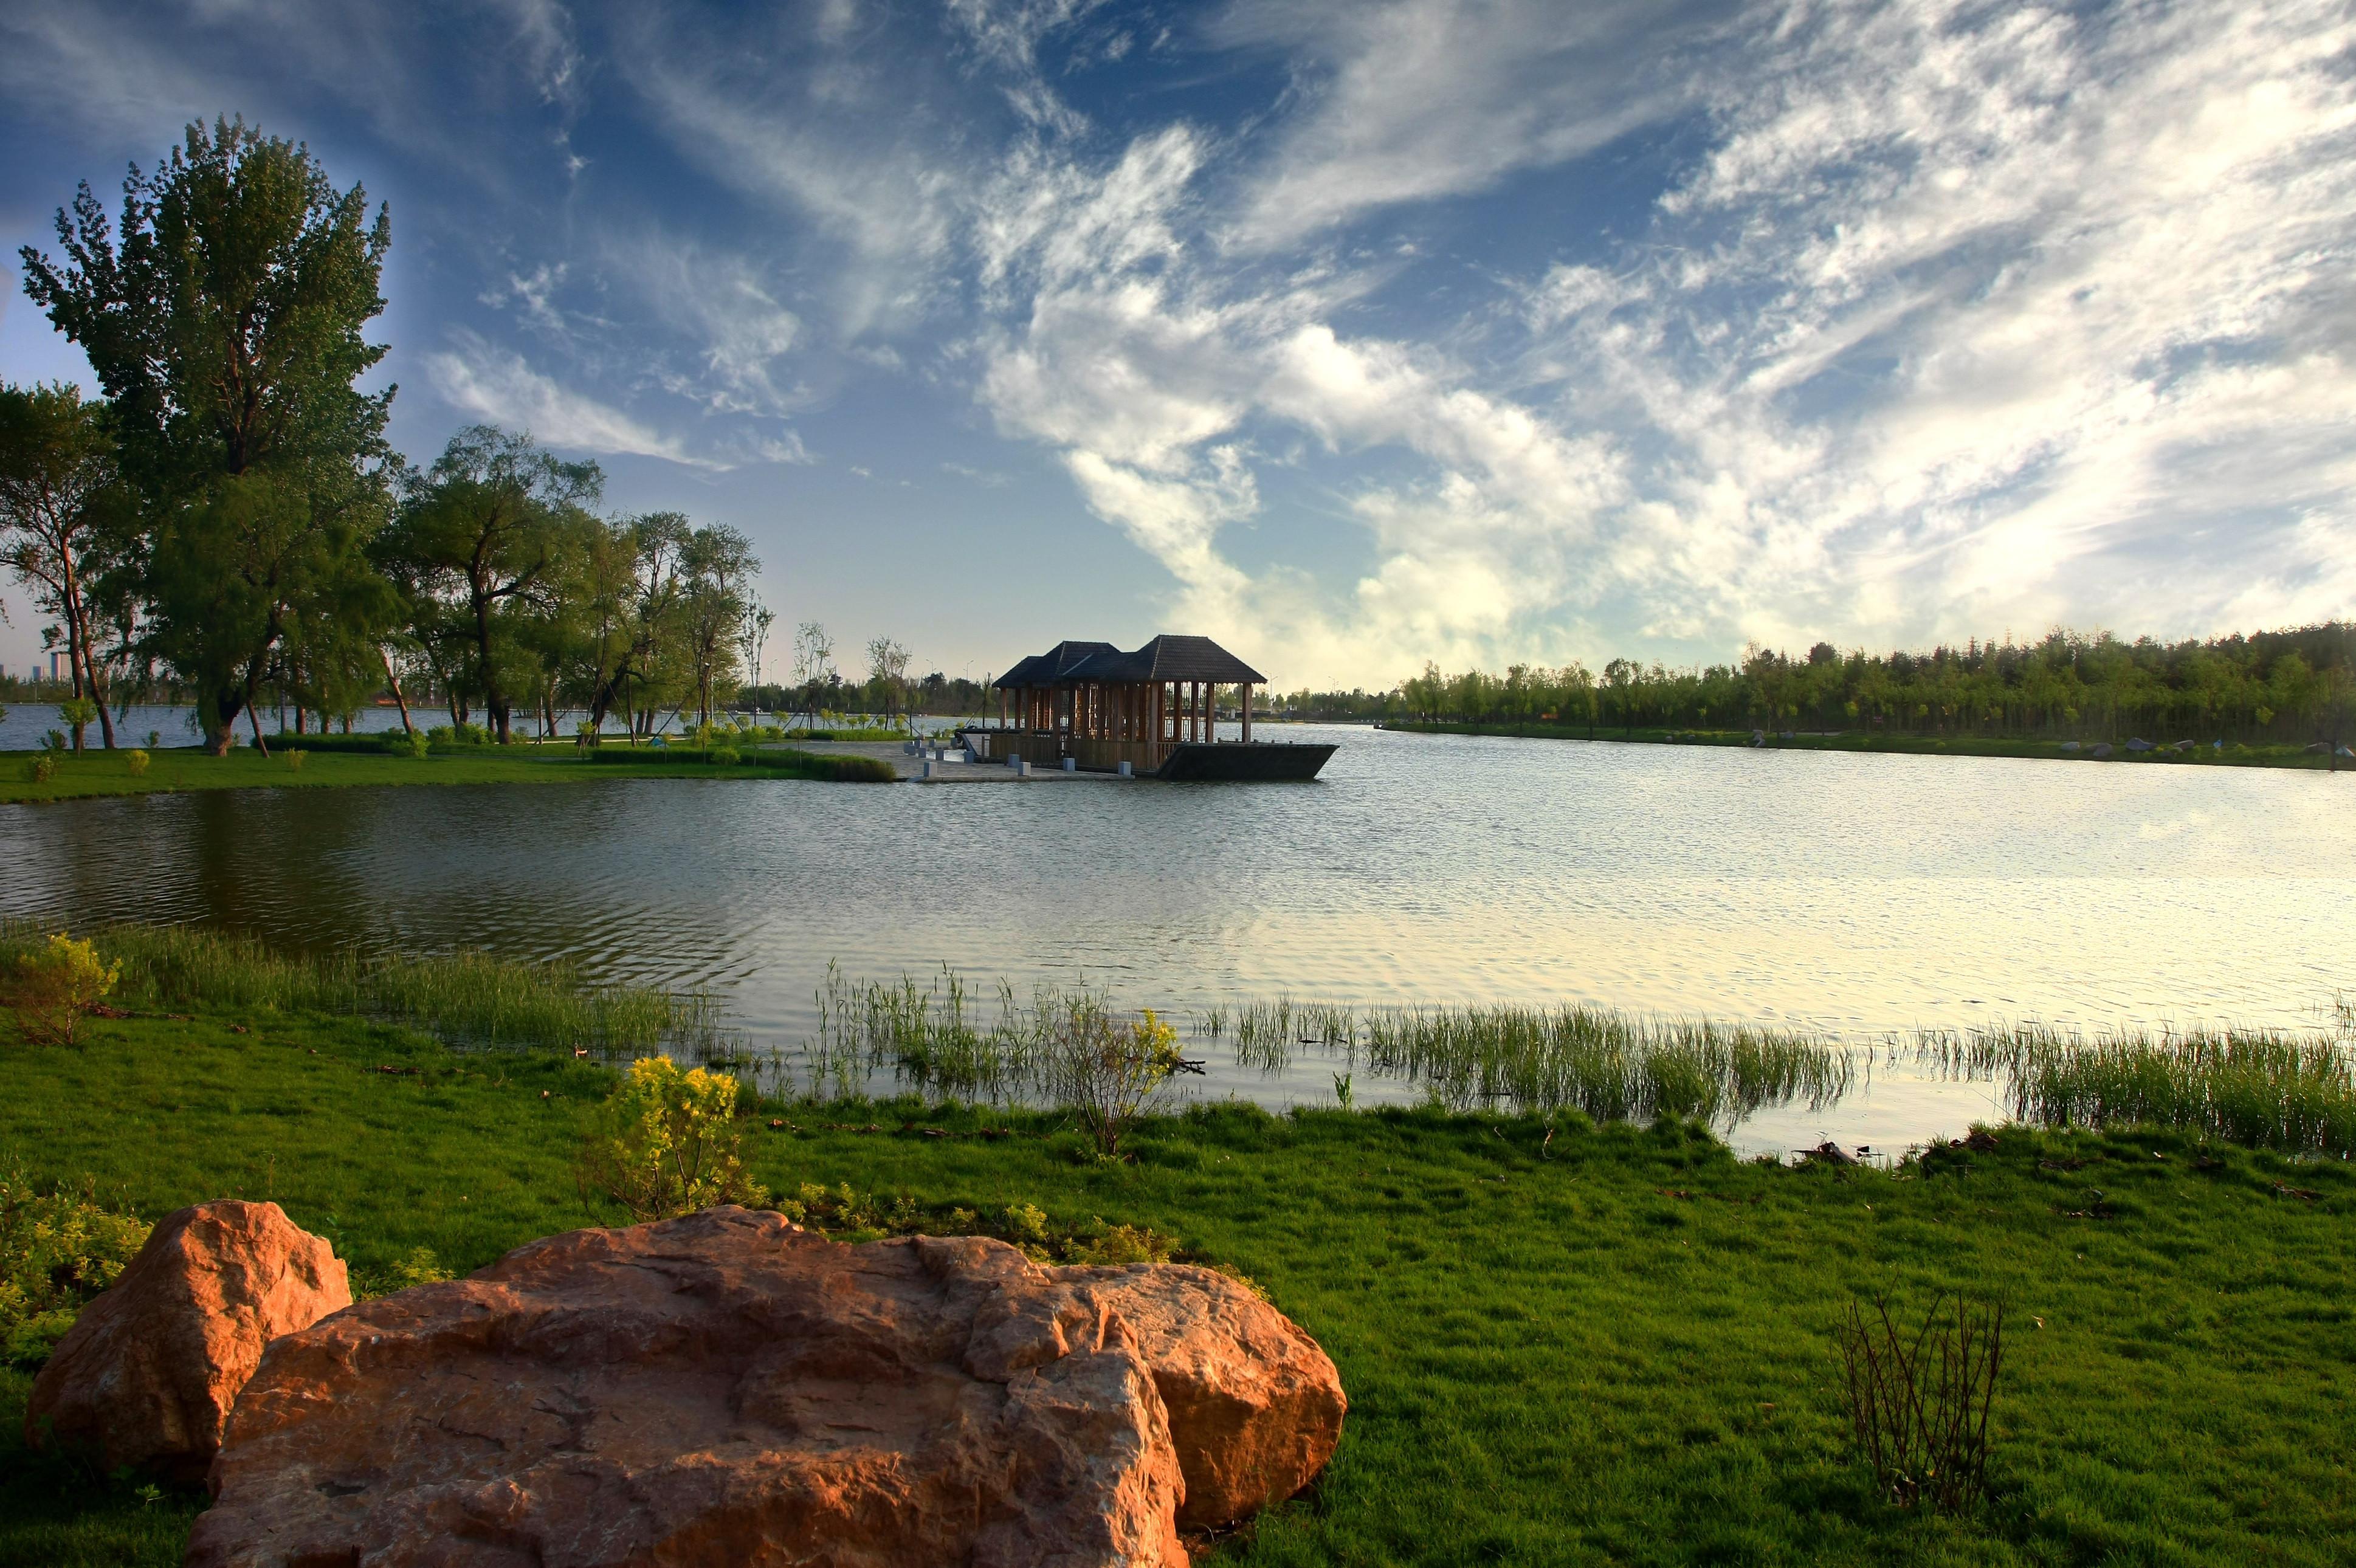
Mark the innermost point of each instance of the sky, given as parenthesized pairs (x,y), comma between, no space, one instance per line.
(1354,334)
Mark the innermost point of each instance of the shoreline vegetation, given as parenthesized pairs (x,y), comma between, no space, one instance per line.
(2314,754)
(1565,1338)
(326,762)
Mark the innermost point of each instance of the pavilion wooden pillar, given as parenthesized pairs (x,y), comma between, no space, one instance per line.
(1246,689)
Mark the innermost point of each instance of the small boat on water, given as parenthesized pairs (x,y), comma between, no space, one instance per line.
(1152,713)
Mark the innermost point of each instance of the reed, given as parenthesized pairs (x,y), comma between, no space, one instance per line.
(932,1037)
(2267,1088)
(468,998)
(1614,1066)
(1611,1065)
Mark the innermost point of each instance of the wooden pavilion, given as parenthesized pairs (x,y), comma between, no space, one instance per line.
(1152,709)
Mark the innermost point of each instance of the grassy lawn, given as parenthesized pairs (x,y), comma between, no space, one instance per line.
(2266,754)
(1612,1348)
(96,772)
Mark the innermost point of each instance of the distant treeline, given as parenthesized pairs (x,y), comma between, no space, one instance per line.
(2297,685)
(950,695)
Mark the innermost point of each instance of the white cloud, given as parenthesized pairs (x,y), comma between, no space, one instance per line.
(1415,99)
(1979,316)
(486,382)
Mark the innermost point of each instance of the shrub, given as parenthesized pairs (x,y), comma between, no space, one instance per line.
(407,743)
(78,713)
(294,761)
(418,1267)
(42,768)
(58,1249)
(726,756)
(136,760)
(1918,1401)
(1109,1071)
(665,1142)
(56,984)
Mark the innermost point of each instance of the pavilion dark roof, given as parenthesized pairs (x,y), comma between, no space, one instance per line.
(1164,658)
(1054,666)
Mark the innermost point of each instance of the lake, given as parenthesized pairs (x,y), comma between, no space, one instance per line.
(1854,896)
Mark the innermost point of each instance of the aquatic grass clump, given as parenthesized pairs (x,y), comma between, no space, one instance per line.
(2265,1088)
(932,1037)
(465,997)
(1612,1065)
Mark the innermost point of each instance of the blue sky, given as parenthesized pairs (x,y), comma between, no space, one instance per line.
(1352,333)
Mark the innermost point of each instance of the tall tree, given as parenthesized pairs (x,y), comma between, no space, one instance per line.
(224,320)
(624,584)
(887,672)
(477,543)
(813,663)
(64,521)
(716,567)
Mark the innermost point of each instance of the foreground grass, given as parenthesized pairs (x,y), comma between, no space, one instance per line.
(183,768)
(2236,754)
(1612,1346)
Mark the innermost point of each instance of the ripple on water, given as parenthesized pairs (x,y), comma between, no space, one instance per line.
(1848,895)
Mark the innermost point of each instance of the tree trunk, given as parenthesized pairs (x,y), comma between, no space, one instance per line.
(394,681)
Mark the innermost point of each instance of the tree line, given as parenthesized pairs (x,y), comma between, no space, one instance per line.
(2297,685)
(227,522)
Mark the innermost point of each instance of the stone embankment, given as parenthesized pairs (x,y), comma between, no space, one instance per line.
(727,1388)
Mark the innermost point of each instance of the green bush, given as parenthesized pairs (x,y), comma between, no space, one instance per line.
(136,760)
(43,767)
(419,1267)
(58,1249)
(52,986)
(407,743)
(667,1144)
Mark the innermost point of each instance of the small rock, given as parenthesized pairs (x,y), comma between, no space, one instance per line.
(148,1373)
(2102,748)
(2138,743)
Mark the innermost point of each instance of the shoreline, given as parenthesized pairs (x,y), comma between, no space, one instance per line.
(2236,754)
(183,769)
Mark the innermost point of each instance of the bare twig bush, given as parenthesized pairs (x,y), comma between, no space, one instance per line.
(1919,1400)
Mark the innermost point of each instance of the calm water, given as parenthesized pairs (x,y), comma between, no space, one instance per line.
(1850,895)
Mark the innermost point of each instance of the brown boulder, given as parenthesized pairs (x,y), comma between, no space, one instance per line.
(728,1388)
(147,1374)
(1255,1404)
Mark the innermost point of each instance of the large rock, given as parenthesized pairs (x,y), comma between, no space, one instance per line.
(729,1388)
(148,1373)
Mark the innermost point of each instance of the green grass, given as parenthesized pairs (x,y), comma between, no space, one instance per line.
(2236,754)
(1611,1347)
(99,772)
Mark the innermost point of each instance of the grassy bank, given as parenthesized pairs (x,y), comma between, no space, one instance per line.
(1602,1345)
(2234,754)
(186,768)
